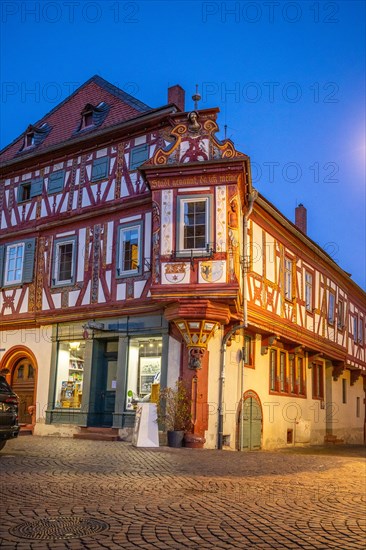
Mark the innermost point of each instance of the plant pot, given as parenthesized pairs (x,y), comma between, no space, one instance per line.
(175,438)
(194,441)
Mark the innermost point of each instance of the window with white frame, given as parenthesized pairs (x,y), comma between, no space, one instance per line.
(64,261)
(17,262)
(14,264)
(288,279)
(129,250)
(193,224)
(308,291)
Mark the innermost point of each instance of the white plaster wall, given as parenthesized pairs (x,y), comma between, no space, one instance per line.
(37,340)
(213,389)
(346,424)
(173,362)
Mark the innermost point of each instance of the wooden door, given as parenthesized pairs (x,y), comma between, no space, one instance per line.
(251,430)
(23,384)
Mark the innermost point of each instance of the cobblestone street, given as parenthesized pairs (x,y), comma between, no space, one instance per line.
(65,493)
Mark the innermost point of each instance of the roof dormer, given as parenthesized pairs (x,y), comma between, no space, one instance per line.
(93,116)
(34,136)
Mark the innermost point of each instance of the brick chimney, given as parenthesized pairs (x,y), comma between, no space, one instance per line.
(177,95)
(301,218)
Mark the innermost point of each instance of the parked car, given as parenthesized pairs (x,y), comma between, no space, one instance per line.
(9,427)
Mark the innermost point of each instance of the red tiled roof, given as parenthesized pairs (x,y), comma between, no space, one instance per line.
(65,118)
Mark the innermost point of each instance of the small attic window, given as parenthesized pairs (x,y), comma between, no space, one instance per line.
(92,117)
(34,136)
(30,140)
(87,119)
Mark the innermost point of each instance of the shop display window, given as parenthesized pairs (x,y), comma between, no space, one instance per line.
(70,371)
(144,365)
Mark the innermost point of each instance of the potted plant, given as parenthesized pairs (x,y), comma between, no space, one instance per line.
(174,413)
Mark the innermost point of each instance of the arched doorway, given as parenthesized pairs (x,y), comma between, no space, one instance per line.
(20,366)
(249,431)
(23,383)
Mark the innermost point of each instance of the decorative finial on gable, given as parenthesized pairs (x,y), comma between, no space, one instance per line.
(196,98)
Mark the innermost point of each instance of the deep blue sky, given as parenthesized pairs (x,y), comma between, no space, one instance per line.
(289,78)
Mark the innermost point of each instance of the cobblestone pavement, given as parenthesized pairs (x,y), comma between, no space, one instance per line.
(65,493)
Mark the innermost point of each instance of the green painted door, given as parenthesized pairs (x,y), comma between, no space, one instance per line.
(252,425)
(103,390)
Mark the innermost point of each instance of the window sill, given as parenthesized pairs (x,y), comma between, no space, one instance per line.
(287,394)
(12,285)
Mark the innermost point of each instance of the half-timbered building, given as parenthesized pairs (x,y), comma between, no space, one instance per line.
(134,251)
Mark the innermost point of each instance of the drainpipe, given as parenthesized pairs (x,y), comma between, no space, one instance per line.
(220,429)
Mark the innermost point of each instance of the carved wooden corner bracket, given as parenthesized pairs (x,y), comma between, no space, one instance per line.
(338,369)
(267,342)
(355,375)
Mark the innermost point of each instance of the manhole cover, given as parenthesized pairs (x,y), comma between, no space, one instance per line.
(63,527)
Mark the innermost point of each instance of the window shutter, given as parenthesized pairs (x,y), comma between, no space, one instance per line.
(100,168)
(20,193)
(28,262)
(36,187)
(56,181)
(138,156)
(2,263)
(118,255)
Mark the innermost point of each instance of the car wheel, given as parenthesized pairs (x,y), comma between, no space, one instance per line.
(2,444)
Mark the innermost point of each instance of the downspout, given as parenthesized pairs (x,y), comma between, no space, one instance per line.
(220,429)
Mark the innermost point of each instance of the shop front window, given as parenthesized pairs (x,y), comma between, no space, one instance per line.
(144,365)
(70,371)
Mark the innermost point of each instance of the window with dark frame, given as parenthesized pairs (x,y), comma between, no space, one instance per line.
(344,390)
(360,335)
(282,372)
(318,381)
(287,373)
(355,335)
(273,370)
(292,368)
(288,279)
(248,350)
(340,315)
(308,291)
(25,192)
(331,303)
(300,375)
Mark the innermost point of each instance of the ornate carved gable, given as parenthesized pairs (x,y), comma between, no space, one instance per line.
(192,139)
